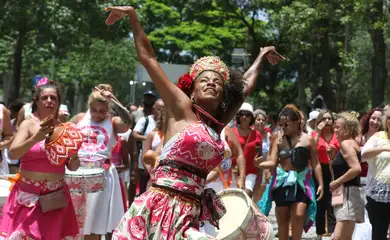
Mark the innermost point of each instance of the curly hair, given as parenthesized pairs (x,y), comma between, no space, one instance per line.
(51,84)
(365,122)
(232,92)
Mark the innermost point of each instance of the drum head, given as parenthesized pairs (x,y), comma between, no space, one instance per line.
(82,171)
(238,213)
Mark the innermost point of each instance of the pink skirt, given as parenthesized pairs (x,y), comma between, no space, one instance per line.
(23,221)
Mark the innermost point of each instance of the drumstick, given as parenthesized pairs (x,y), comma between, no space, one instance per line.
(100,90)
(279,55)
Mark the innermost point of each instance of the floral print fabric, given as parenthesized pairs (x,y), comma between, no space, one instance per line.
(162,213)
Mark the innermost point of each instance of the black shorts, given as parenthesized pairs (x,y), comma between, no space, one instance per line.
(284,196)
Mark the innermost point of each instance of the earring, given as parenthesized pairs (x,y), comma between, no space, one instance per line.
(192,100)
(223,106)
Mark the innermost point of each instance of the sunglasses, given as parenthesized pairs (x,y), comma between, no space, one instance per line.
(245,114)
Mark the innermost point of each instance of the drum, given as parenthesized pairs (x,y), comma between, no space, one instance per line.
(65,141)
(243,220)
(85,180)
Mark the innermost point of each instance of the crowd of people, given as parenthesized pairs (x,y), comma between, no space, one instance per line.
(154,171)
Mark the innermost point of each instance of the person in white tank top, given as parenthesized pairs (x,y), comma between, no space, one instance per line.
(6,136)
(153,140)
(103,209)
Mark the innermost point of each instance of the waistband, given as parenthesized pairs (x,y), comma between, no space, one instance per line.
(37,186)
(183,166)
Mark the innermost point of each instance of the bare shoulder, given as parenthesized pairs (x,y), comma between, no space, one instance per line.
(29,125)
(349,144)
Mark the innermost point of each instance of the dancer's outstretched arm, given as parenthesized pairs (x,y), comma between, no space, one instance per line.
(250,76)
(175,100)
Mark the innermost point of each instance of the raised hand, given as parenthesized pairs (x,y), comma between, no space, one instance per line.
(272,56)
(42,133)
(116,13)
(320,126)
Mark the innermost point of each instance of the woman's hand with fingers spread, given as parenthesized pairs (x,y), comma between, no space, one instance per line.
(116,13)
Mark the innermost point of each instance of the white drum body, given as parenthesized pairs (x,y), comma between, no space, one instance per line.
(85,179)
(4,191)
(243,220)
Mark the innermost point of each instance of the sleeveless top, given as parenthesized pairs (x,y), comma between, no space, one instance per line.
(36,159)
(116,153)
(299,156)
(340,167)
(99,140)
(156,140)
(249,148)
(186,159)
(197,146)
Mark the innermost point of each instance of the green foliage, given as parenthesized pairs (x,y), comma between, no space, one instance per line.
(104,62)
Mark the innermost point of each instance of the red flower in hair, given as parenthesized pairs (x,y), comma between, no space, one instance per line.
(185,83)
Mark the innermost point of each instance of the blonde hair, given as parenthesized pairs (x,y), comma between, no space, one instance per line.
(385,116)
(351,123)
(96,96)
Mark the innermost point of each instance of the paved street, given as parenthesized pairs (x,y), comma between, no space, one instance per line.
(311,235)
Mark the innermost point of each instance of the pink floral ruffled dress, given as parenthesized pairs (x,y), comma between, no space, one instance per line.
(177,201)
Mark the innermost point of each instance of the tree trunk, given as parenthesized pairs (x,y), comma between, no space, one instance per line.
(326,90)
(340,78)
(18,63)
(378,61)
(301,101)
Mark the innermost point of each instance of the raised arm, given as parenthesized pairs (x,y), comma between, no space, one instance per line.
(250,77)
(175,100)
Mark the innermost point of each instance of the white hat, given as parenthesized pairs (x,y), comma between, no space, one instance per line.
(313,115)
(64,110)
(246,107)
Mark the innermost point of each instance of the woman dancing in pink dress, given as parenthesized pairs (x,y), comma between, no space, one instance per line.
(205,99)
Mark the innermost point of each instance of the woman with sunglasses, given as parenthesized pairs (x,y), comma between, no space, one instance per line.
(251,144)
(292,186)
